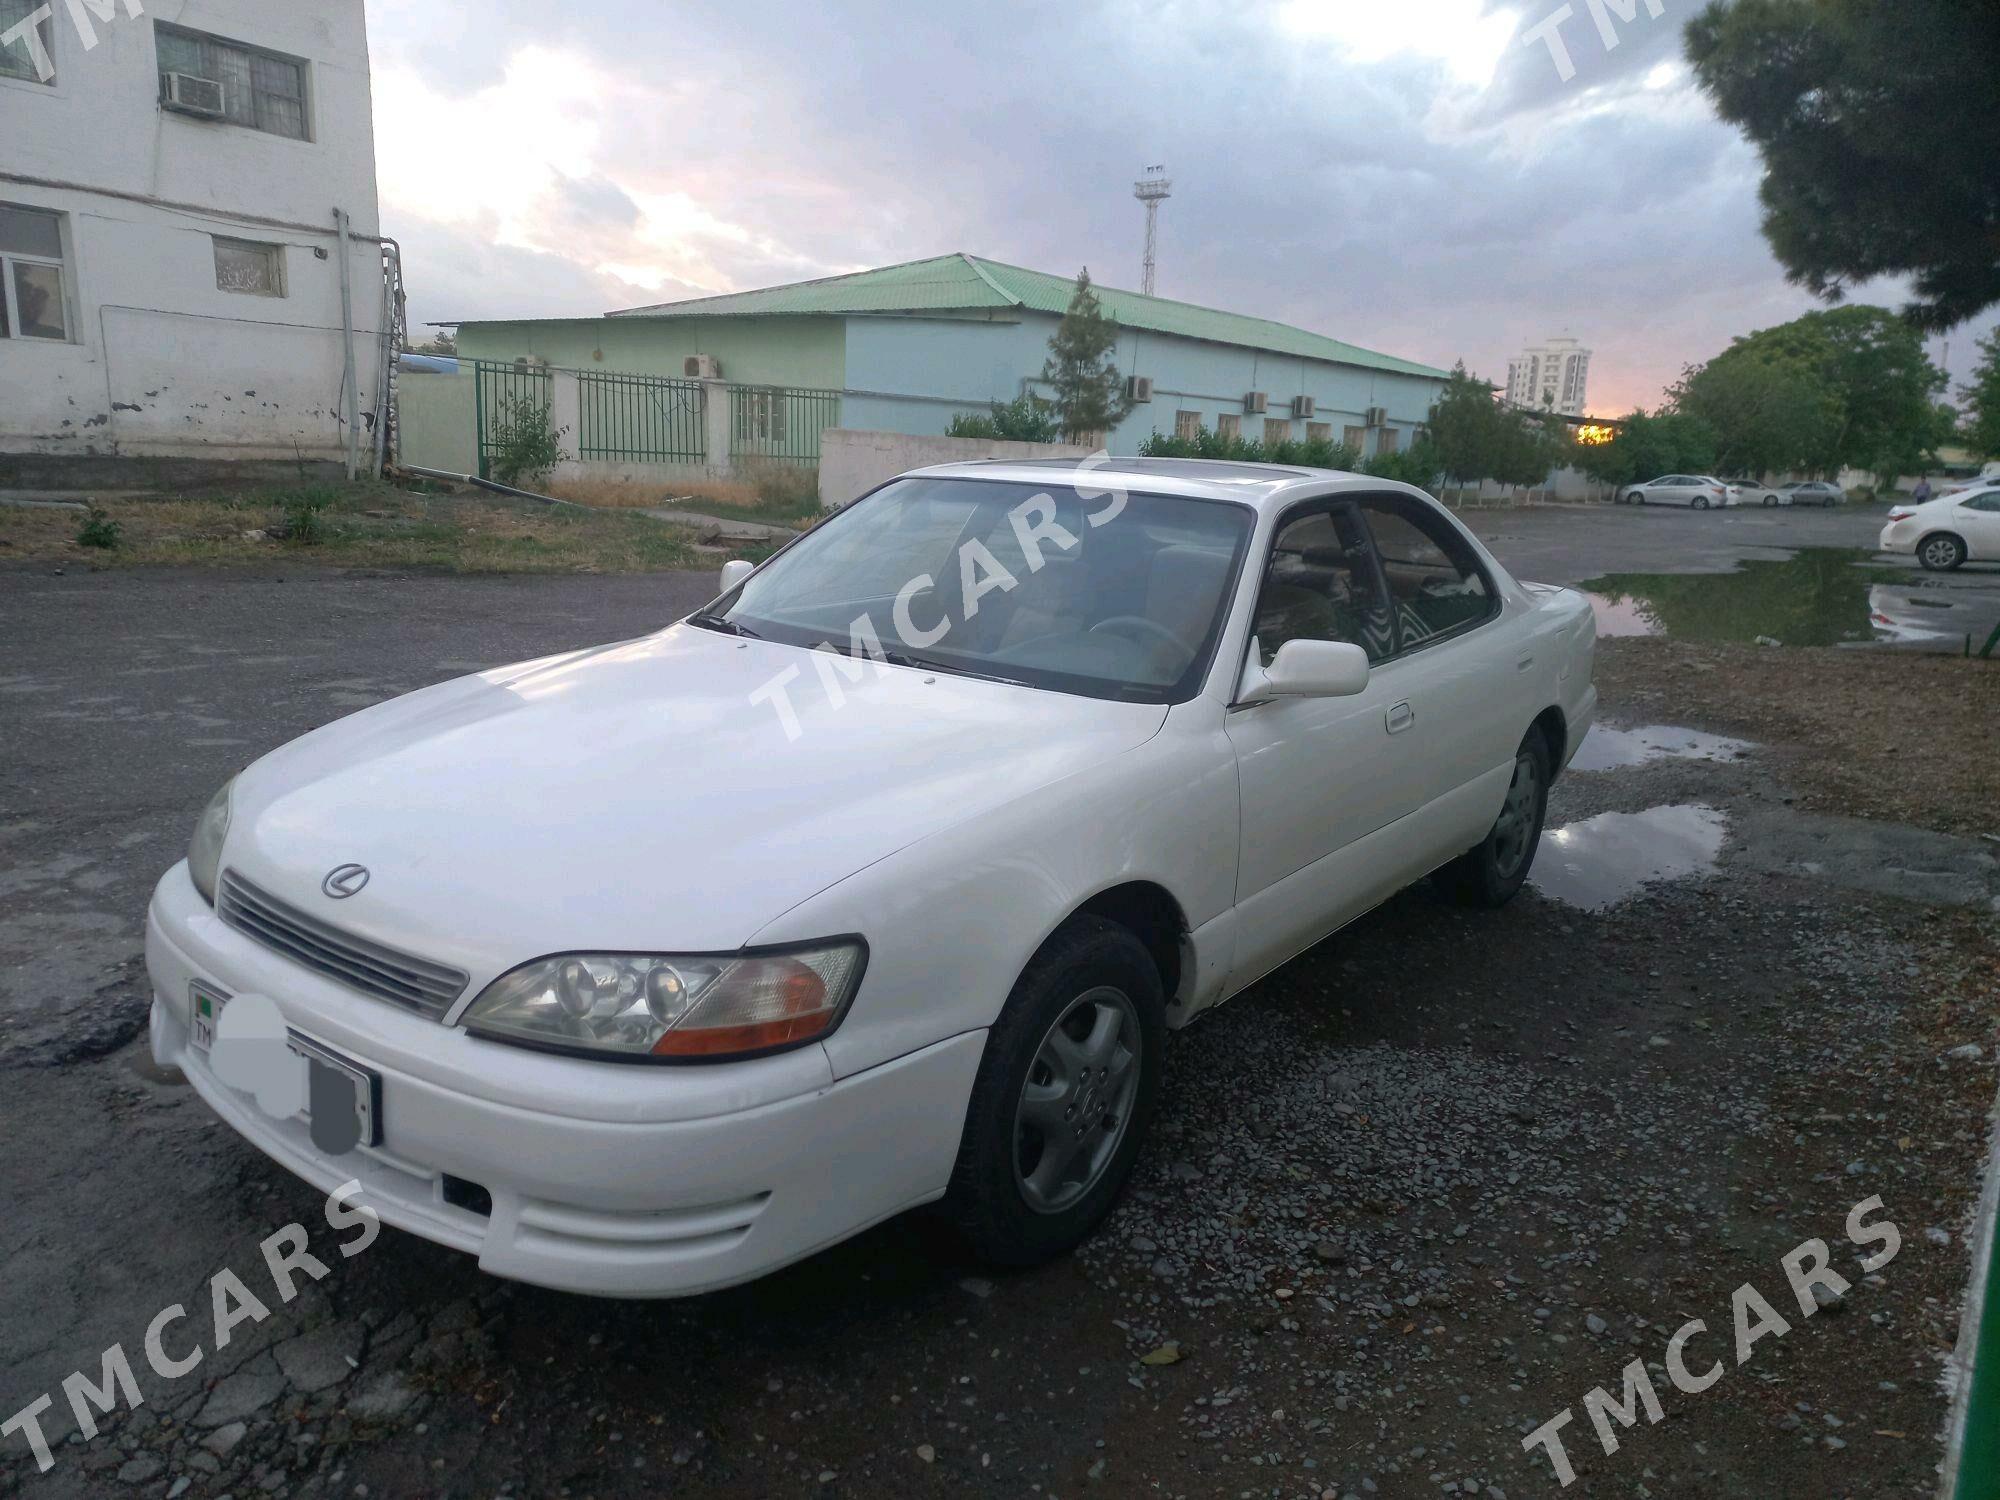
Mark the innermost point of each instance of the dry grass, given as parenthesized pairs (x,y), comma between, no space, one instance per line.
(783,494)
(375,526)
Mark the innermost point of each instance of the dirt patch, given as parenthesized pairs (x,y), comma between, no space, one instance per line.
(1904,739)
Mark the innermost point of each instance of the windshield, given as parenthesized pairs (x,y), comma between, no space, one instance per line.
(1100,593)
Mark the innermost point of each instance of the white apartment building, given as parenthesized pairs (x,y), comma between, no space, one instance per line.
(1550,377)
(171,270)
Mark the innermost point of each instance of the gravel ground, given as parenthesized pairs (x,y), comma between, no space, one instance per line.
(1409,1197)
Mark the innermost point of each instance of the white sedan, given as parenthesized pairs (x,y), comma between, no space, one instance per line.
(1701,491)
(647,969)
(1947,532)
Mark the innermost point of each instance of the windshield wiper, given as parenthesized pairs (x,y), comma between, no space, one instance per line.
(727,627)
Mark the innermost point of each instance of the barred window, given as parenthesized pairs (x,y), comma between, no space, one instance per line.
(1187,424)
(22,57)
(259,89)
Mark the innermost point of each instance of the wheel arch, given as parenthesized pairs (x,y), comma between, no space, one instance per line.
(1150,913)
(1553,725)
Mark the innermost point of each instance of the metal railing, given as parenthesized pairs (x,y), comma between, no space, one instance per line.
(778,424)
(503,393)
(641,418)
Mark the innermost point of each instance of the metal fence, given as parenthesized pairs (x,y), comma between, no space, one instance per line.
(780,425)
(503,394)
(641,418)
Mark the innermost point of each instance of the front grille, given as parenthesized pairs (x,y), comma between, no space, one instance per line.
(413,983)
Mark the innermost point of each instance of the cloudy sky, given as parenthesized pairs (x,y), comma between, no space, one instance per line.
(1414,177)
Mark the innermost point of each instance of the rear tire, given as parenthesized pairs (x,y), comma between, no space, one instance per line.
(1063,1097)
(1770,501)
(1941,552)
(1492,873)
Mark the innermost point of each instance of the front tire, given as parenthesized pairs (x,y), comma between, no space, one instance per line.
(1493,872)
(1941,552)
(1063,1097)
(1701,502)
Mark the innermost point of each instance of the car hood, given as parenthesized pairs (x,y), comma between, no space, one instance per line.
(638,797)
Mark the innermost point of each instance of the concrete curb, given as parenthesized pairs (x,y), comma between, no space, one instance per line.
(1976,1475)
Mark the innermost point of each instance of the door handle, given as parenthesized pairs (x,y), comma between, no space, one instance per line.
(1399,717)
(1525,663)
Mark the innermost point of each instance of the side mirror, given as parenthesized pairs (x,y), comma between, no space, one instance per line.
(1312,669)
(734,572)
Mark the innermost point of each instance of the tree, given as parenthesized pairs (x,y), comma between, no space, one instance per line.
(1982,399)
(1649,445)
(1870,168)
(1881,383)
(1769,412)
(1467,428)
(1090,393)
(441,343)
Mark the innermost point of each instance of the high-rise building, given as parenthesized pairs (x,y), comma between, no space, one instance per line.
(1550,377)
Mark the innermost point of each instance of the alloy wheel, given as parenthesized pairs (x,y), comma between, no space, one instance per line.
(1077,1100)
(1514,830)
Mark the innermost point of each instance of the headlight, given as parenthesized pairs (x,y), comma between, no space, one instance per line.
(658,1006)
(205,848)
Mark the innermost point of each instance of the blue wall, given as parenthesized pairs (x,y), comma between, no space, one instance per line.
(972,363)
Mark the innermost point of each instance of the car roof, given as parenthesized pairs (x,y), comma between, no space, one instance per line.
(1264,486)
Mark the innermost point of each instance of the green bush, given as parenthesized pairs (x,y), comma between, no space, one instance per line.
(98,530)
(1025,419)
(527,444)
(1313,453)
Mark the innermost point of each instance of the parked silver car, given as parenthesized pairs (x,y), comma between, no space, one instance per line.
(1812,492)
(1752,492)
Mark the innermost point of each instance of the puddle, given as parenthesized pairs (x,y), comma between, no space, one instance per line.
(1608,749)
(1821,596)
(1600,861)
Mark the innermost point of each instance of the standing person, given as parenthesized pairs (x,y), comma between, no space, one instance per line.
(1923,490)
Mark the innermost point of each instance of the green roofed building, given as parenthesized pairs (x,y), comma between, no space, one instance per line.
(910,346)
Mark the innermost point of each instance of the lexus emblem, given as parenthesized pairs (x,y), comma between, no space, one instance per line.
(345,881)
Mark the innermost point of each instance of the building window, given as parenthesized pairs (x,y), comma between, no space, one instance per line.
(1386,443)
(1229,425)
(33,301)
(250,268)
(1187,424)
(1354,437)
(259,89)
(28,54)
(760,416)
(1319,432)
(1276,430)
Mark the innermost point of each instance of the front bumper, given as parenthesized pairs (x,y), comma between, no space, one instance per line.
(610,1178)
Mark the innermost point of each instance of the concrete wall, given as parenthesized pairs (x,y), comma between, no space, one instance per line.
(800,352)
(852,463)
(160,362)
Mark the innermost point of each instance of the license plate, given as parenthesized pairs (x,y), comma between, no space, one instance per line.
(343,1099)
(204,1005)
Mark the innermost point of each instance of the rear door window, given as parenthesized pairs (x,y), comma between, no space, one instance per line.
(1436,585)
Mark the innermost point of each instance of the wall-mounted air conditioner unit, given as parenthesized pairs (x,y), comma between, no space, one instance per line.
(1256,404)
(193,96)
(702,367)
(1378,416)
(1139,388)
(1303,406)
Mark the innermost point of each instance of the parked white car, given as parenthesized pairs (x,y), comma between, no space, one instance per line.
(1947,532)
(1754,492)
(1701,491)
(647,969)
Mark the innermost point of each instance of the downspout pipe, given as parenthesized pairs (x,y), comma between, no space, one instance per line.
(350,394)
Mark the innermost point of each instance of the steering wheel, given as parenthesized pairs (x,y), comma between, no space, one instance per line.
(1140,625)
